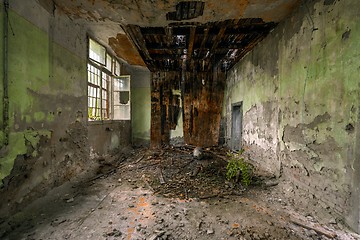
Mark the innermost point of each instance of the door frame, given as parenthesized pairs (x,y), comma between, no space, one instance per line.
(234,107)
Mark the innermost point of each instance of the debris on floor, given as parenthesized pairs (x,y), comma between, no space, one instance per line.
(167,194)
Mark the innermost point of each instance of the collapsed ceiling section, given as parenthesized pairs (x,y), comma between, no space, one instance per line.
(197,47)
(194,20)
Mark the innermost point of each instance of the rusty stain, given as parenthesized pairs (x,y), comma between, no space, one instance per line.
(142,206)
(235,225)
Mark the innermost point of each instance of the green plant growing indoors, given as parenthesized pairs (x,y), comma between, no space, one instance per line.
(237,167)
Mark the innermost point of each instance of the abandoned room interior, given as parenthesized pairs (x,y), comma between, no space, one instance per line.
(177,119)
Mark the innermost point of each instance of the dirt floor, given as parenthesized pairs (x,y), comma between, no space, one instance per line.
(169,194)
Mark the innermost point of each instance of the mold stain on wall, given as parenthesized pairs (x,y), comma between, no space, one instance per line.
(300,91)
(47,96)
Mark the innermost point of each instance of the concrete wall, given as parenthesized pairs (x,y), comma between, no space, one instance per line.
(49,137)
(300,90)
(109,136)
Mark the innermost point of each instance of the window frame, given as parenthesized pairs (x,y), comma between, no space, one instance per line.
(104,113)
(119,91)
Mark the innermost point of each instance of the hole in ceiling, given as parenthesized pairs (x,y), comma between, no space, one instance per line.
(186,11)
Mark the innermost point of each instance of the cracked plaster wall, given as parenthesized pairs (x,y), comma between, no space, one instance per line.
(300,89)
(49,135)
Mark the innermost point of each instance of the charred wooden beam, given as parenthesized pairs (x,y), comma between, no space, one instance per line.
(218,38)
(165,56)
(191,42)
(183,30)
(154,46)
(153,31)
(169,36)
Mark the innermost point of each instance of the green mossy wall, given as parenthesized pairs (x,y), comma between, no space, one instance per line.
(47,95)
(300,89)
(1,69)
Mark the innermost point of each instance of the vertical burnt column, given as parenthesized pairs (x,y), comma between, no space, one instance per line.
(164,107)
(155,135)
(203,96)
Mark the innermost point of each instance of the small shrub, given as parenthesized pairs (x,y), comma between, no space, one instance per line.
(238,167)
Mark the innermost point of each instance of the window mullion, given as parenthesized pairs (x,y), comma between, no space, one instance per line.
(101,95)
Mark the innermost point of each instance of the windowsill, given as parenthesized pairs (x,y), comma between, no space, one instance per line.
(100,122)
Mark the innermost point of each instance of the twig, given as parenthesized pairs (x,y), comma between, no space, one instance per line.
(188,163)
(147,184)
(141,158)
(149,165)
(183,151)
(186,194)
(161,177)
(315,228)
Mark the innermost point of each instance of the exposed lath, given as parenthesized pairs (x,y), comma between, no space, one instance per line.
(197,46)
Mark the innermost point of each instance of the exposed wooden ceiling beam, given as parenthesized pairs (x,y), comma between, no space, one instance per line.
(231,29)
(191,42)
(169,36)
(205,37)
(218,38)
(163,48)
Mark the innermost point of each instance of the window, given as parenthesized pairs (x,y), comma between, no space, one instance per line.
(108,92)
(94,88)
(122,97)
(97,52)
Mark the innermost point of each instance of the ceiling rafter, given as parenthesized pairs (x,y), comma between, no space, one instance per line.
(195,46)
(191,42)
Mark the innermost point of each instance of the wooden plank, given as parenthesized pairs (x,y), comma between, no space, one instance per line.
(191,42)
(316,228)
(192,10)
(153,31)
(205,37)
(219,36)
(199,9)
(165,56)
(185,11)
(169,36)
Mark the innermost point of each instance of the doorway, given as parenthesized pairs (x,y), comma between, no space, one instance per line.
(236,125)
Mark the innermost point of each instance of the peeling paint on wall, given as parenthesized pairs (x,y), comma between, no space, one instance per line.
(47,90)
(300,90)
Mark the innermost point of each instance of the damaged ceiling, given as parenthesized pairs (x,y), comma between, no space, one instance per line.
(194,47)
(167,32)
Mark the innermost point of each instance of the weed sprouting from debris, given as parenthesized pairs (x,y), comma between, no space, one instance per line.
(237,167)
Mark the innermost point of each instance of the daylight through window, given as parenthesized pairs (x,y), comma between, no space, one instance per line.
(108,92)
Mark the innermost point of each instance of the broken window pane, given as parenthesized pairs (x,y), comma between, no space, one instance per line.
(124,97)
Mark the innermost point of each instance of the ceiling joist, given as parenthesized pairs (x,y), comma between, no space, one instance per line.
(191,44)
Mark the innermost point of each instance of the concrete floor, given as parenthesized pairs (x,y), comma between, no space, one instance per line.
(122,204)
